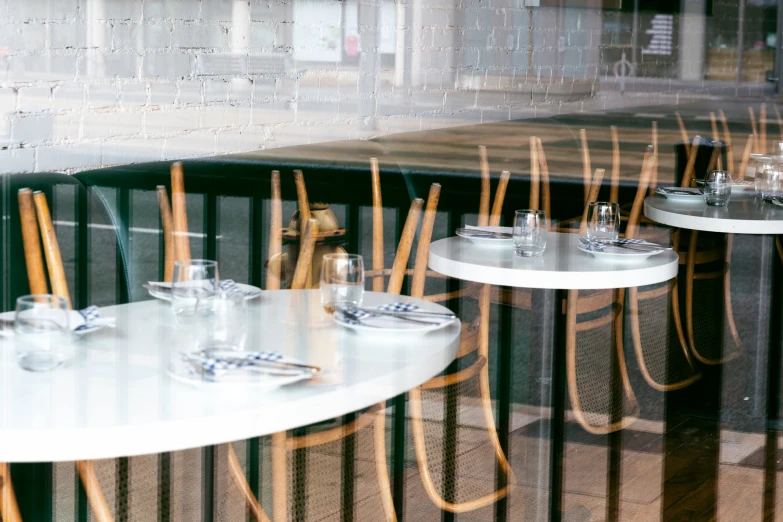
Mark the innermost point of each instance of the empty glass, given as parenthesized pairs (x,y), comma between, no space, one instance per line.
(194,290)
(43,334)
(529,232)
(763,163)
(226,328)
(772,183)
(603,221)
(717,188)
(342,281)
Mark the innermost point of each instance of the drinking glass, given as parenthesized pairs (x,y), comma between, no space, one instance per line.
(603,221)
(194,291)
(226,329)
(763,163)
(772,183)
(717,188)
(43,334)
(529,232)
(342,281)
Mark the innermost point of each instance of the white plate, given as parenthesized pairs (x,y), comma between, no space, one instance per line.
(691,198)
(492,242)
(388,324)
(620,254)
(251,291)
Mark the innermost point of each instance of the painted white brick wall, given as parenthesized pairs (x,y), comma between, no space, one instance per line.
(91,83)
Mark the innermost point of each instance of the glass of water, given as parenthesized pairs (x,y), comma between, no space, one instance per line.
(529,232)
(194,290)
(43,334)
(717,188)
(603,221)
(342,281)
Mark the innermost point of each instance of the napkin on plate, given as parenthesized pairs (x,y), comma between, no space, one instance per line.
(362,318)
(229,286)
(680,191)
(238,367)
(615,246)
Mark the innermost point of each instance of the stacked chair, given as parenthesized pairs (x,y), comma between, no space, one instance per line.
(37,229)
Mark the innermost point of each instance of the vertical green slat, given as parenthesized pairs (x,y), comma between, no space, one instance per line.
(347,484)
(164,487)
(300,481)
(121,492)
(211,227)
(254,470)
(398,421)
(505,360)
(451,400)
(83,248)
(257,228)
(208,454)
(208,484)
(34,489)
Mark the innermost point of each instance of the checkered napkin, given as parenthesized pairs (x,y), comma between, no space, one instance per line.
(89,319)
(231,289)
(592,245)
(362,318)
(235,367)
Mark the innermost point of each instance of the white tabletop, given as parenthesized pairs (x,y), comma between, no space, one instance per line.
(745,214)
(116,399)
(562,266)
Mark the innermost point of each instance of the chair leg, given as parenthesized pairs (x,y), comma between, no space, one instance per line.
(9,509)
(379,433)
(727,293)
(280,478)
(94,492)
(240,480)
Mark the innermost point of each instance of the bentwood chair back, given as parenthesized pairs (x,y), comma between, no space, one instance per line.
(599,389)
(472,377)
(36,218)
(656,329)
(282,444)
(707,260)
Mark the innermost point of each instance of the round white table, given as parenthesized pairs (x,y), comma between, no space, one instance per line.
(745,214)
(116,398)
(561,267)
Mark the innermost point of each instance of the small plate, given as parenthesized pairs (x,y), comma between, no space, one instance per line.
(620,254)
(386,324)
(694,194)
(491,242)
(250,292)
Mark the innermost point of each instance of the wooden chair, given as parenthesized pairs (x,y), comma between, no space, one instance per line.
(283,443)
(177,247)
(707,263)
(593,322)
(654,315)
(35,217)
